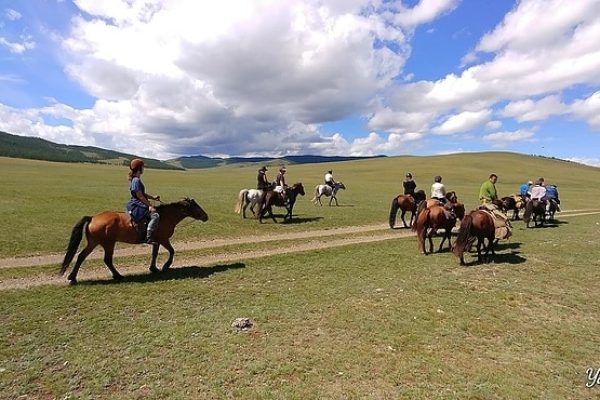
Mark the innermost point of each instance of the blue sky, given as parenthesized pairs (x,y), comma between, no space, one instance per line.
(339,77)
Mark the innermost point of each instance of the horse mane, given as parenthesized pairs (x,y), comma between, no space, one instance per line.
(181,203)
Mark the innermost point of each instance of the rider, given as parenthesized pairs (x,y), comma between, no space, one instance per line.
(280,185)
(552,195)
(538,191)
(329,181)
(525,190)
(409,185)
(263,183)
(438,190)
(487,192)
(139,206)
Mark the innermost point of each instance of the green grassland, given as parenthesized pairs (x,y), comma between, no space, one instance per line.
(41,201)
(374,320)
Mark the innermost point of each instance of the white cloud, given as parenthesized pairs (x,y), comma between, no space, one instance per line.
(529,110)
(425,11)
(462,122)
(588,110)
(12,15)
(493,125)
(594,162)
(26,43)
(508,136)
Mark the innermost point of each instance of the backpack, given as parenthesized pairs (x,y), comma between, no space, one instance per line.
(524,189)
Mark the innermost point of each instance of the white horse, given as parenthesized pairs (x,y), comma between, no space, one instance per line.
(248,197)
(326,190)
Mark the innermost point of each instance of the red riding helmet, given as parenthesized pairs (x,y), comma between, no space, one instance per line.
(136,164)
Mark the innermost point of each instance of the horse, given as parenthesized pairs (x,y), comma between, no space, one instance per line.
(109,227)
(552,208)
(248,197)
(450,197)
(326,190)
(433,218)
(405,202)
(477,225)
(271,198)
(515,203)
(535,210)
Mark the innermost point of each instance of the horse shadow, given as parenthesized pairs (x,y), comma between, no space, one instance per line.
(513,257)
(302,220)
(189,272)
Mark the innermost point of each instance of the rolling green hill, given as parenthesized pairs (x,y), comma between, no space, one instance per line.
(39,149)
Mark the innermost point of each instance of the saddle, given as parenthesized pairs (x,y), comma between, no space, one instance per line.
(140,228)
(502,225)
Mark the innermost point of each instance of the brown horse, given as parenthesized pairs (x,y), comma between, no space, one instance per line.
(433,218)
(477,225)
(515,203)
(109,227)
(271,198)
(535,210)
(450,197)
(405,202)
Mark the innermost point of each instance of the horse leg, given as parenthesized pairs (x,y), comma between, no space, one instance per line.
(430,237)
(167,245)
(152,267)
(109,249)
(80,259)
(402,218)
(479,243)
(319,199)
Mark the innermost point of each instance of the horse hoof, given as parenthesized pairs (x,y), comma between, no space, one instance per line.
(118,277)
(72,282)
(166,268)
(153,270)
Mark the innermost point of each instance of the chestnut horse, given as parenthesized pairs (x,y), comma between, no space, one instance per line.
(450,197)
(109,227)
(477,225)
(405,202)
(271,198)
(433,218)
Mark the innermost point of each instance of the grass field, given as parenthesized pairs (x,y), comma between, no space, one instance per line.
(374,320)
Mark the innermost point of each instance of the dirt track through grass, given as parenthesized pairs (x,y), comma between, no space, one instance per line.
(317,244)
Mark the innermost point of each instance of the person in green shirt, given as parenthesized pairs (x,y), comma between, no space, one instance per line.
(488,193)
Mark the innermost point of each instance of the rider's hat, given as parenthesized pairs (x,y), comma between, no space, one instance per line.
(530,182)
(330,171)
(409,175)
(136,164)
(437,178)
(263,168)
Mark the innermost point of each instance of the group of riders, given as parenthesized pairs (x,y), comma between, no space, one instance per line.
(142,211)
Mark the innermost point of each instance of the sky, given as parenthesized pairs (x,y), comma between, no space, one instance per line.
(174,78)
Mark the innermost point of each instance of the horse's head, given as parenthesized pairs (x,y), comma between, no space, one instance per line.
(420,196)
(298,188)
(459,210)
(341,185)
(193,209)
(502,204)
(451,197)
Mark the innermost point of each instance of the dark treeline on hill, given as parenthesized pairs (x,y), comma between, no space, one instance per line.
(39,149)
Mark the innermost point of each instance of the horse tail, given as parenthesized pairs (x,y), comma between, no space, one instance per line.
(240,202)
(76,236)
(393,212)
(463,241)
(420,226)
(528,211)
(314,199)
(420,210)
(422,205)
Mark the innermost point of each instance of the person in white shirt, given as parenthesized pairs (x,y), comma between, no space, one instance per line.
(538,191)
(329,181)
(438,190)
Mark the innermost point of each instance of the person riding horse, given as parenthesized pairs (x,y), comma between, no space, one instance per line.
(329,181)
(538,192)
(280,185)
(487,192)
(552,196)
(488,197)
(139,207)
(409,185)
(262,182)
(525,191)
(438,190)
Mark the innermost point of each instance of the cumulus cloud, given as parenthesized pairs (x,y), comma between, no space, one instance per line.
(588,109)
(530,110)
(510,136)
(12,15)
(20,47)
(462,122)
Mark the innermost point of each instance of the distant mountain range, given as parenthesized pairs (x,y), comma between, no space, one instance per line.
(39,149)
